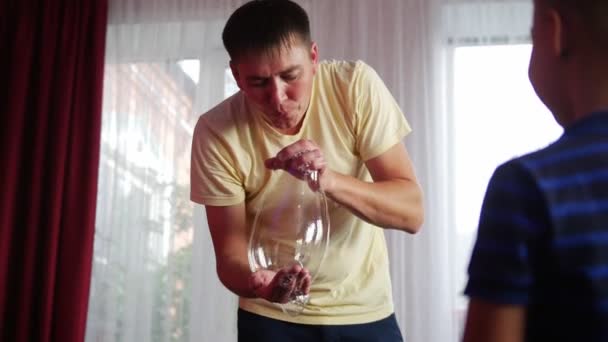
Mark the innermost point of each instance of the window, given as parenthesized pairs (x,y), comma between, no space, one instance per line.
(140,287)
(496,116)
(191,67)
(230,86)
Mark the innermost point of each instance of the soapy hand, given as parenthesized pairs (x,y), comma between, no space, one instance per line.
(281,286)
(300,159)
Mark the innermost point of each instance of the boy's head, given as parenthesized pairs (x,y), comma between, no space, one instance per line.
(265,26)
(570,49)
(589,17)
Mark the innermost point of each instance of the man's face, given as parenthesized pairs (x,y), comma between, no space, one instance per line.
(279,83)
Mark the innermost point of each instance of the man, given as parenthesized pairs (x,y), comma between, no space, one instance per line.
(295,114)
(539,269)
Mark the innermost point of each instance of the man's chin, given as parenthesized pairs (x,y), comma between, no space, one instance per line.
(283,120)
(281,125)
(284,124)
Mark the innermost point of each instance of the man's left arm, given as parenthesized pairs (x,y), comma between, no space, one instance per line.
(392,200)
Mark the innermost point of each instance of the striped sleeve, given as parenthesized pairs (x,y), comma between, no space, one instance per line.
(511,225)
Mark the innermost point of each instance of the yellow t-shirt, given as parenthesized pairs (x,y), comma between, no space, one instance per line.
(352,117)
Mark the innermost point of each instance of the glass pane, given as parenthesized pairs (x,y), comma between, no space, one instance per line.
(230,86)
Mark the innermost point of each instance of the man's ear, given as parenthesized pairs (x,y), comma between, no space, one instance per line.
(560,38)
(235,74)
(314,56)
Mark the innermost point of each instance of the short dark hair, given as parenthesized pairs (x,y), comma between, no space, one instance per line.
(592,13)
(264,25)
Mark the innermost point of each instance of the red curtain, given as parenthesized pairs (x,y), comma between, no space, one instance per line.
(51,72)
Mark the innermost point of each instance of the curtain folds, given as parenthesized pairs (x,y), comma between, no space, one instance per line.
(52,63)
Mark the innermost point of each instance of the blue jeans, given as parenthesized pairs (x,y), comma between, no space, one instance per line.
(256,328)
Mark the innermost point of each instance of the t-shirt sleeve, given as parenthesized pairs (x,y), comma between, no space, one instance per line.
(379,122)
(511,224)
(214,177)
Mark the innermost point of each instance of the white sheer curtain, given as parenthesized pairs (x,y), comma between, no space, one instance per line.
(154,273)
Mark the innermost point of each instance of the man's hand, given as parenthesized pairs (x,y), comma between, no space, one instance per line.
(299,159)
(281,286)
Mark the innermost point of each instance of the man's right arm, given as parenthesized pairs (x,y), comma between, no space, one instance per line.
(227,225)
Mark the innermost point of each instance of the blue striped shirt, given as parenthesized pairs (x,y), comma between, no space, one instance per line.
(543,236)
